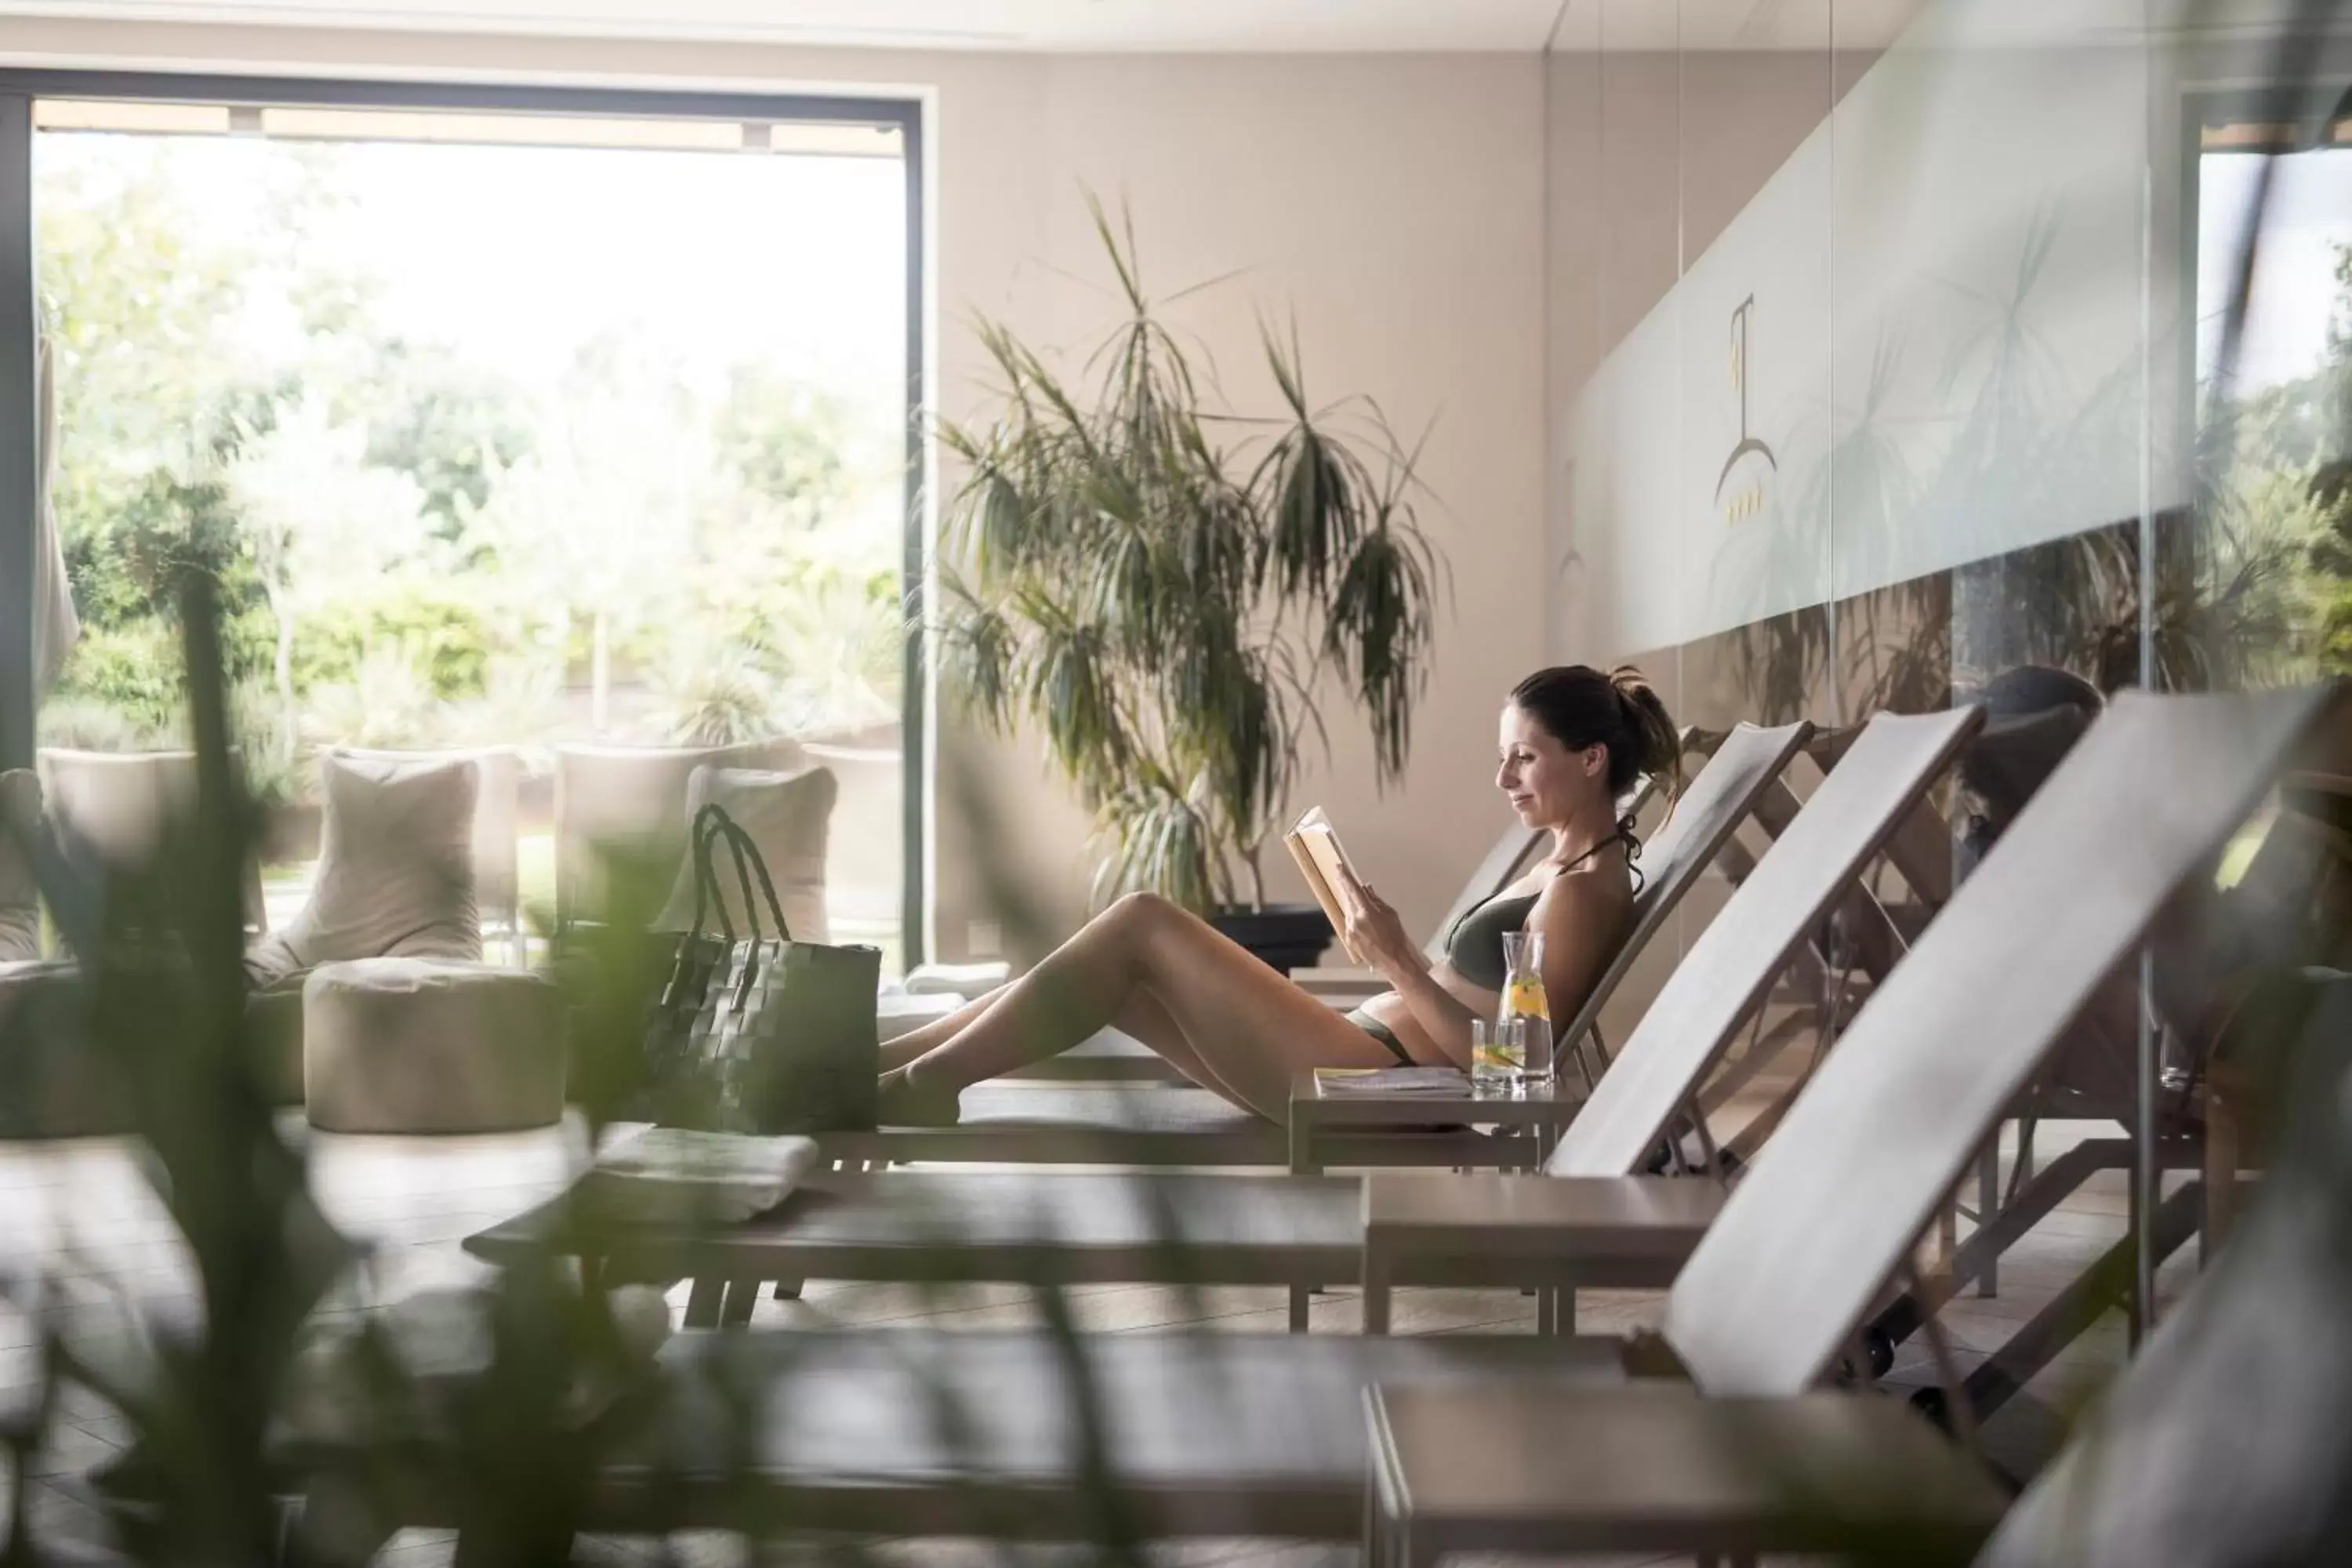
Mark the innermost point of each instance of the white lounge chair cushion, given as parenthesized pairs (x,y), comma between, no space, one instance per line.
(395,869)
(1116,1108)
(787,816)
(422,1045)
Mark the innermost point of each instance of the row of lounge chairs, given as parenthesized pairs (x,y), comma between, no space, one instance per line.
(1778,1278)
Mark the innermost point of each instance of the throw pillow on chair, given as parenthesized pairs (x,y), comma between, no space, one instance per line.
(788,815)
(395,875)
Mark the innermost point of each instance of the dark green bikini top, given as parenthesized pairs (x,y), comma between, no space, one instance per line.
(1474,947)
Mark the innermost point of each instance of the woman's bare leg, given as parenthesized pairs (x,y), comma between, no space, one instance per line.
(1249,1029)
(1147,1020)
(1140,1015)
(906,1047)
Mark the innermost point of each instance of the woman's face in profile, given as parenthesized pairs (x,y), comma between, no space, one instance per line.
(1541,778)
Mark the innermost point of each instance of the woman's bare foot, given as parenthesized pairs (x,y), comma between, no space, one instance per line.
(902,1102)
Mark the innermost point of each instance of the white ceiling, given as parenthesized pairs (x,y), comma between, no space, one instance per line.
(1212,25)
(1041,24)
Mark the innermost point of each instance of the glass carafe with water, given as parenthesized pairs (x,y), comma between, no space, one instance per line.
(1526,1011)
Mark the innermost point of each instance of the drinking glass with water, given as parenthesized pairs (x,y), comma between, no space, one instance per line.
(1497,1053)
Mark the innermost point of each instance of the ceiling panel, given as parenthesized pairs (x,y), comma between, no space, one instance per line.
(1042,25)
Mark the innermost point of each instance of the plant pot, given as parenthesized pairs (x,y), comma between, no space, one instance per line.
(1284,936)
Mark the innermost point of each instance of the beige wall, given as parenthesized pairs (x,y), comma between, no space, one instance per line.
(1395,201)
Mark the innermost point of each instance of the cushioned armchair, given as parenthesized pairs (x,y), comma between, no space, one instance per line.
(498,810)
(396,879)
(101,812)
(632,799)
(110,808)
(788,817)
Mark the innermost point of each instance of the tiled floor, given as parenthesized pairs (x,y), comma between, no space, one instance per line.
(81,1214)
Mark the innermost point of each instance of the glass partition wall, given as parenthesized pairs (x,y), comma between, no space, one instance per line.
(1917,351)
(525,419)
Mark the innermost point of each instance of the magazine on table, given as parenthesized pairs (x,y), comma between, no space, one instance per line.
(1392,1080)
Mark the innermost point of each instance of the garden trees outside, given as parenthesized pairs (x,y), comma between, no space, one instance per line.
(414,547)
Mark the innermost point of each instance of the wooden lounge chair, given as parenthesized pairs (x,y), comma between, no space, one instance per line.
(2222,1442)
(1128,1125)
(1302,1230)
(1236,1435)
(2276,918)
(1927,1071)
(2010,756)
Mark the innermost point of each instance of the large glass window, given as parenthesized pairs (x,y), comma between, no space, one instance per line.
(512,429)
(2273,390)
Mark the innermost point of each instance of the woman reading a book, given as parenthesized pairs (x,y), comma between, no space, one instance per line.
(1573,742)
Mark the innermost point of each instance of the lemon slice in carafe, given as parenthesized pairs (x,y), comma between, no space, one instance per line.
(1526,999)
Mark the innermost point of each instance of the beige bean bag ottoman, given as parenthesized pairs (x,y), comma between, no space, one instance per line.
(430,1045)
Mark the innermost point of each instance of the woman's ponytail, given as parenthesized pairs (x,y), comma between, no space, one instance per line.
(1652,743)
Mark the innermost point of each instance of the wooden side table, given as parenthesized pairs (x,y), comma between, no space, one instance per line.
(1524,1125)
(1654,1467)
(1569,1232)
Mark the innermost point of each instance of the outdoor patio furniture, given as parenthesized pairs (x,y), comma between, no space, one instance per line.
(498,816)
(787,816)
(1240,1435)
(631,800)
(395,874)
(394,879)
(110,809)
(419,1045)
(1856,949)
(1302,1230)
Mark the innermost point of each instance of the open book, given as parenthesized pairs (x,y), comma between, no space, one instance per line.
(1315,845)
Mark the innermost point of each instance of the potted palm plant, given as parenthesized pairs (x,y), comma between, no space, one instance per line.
(1173,611)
